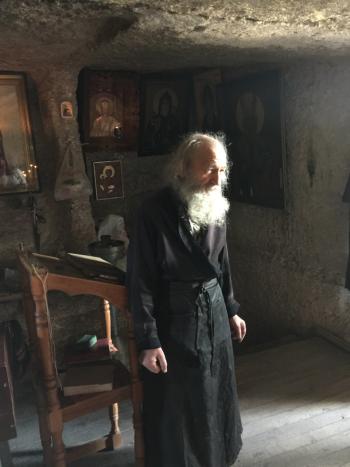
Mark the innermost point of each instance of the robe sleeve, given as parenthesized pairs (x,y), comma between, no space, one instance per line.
(142,281)
(227,290)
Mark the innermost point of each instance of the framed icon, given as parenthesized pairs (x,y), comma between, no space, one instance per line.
(164,117)
(207,109)
(18,167)
(108,179)
(255,129)
(66,109)
(109,110)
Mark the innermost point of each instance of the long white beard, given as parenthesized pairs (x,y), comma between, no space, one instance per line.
(205,207)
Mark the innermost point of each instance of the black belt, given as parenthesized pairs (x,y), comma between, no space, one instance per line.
(204,298)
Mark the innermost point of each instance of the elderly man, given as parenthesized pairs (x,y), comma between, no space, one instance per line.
(184,310)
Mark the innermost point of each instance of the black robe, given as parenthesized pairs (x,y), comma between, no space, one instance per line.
(181,297)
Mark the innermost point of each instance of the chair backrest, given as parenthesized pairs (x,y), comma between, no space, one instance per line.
(35,286)
(38,322)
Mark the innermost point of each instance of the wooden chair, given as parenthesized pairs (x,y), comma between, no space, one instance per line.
(41,274)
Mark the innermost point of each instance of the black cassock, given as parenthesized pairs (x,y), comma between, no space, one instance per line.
(181,296)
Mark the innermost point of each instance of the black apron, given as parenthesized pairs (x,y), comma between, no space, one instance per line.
(191,413)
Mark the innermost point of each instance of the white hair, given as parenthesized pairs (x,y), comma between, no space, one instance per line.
(203,207)
(206,207)
(179,167)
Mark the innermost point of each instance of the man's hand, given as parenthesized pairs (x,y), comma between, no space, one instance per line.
(238,328)
(154,360)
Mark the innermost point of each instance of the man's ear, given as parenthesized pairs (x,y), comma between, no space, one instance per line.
(180,174)
(186,168)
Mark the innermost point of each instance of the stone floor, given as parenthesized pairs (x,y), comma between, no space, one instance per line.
(295,404)
(26,448)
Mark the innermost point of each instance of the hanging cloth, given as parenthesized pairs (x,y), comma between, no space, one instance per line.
(71,180)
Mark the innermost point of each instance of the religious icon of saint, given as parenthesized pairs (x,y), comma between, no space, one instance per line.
(253,156)
(108,179)
(163,128)
(66,109)
(105,124)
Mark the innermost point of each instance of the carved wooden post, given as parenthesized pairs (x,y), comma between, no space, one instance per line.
(107,311)
(29,313)
(115,439)
(55,422)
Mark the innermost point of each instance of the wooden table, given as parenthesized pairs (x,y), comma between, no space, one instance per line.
(42,274)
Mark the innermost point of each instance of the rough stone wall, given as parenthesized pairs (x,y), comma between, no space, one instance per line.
(289,265)
(69,225)
(163,34)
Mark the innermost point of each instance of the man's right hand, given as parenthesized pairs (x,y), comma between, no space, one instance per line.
(154,360)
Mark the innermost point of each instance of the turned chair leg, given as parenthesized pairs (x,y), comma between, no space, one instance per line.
(114,438)
(58,450)
(45,435)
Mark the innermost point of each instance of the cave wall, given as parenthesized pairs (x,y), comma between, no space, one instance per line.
(67,225)
(289,265)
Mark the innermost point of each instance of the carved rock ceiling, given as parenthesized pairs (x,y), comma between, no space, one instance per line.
(161,34)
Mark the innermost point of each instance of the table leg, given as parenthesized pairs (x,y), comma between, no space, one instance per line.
(115,439)
(107,311)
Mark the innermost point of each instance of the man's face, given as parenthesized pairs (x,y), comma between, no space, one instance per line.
(208,167)
(105,107)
